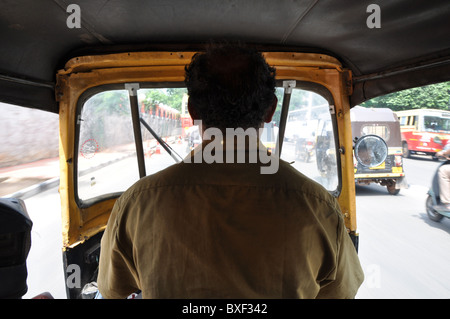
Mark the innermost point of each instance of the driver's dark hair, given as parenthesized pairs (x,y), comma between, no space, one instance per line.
(230,86)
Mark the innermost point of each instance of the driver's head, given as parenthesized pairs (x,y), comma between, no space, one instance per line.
(230,86)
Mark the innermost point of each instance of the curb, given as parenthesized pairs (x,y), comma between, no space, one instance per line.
(34,189)
(46,185)
(41,187)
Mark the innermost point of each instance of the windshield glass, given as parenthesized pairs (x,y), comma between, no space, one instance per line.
(309,139)
(436,124)
(107,158)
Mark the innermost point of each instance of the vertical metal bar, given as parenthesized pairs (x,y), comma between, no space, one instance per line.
(161,142)
(287,85)
(132,90)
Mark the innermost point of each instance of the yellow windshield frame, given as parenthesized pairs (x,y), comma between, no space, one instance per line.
(86,72)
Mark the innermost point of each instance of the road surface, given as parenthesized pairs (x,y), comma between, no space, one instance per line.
(404,254)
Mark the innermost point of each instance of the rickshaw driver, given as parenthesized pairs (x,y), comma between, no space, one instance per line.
(224,230)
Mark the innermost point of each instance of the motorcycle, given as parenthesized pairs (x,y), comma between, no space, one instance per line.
(435,210)
(304,149)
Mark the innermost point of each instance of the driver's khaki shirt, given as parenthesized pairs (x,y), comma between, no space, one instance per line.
(227,231)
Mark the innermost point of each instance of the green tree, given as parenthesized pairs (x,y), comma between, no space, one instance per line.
(435,96)
(171,97)
(110,102)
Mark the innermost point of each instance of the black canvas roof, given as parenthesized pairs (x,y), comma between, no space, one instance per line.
(411,47)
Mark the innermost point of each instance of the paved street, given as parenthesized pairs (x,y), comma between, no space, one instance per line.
(404,253)
(44,263)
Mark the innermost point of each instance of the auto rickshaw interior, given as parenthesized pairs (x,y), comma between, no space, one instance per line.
(121,135)
(104,75)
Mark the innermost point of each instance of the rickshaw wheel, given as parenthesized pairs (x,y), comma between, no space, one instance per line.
(391,189)
(431,212)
